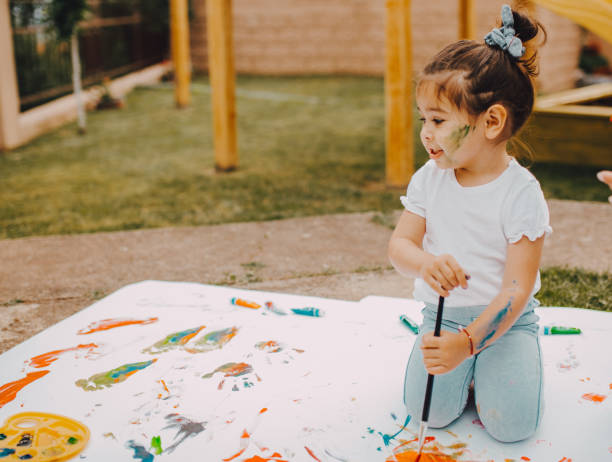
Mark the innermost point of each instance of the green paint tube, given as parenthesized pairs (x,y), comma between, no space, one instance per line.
(559,330)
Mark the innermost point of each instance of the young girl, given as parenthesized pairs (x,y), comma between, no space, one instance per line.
(473,231)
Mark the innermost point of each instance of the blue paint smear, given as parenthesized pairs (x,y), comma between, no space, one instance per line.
(140,452)
(5,452)
(495,323)
(26,457)
(388,438)
(127,368)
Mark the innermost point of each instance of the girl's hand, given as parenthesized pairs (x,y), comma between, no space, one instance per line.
(444,353)
(443,274)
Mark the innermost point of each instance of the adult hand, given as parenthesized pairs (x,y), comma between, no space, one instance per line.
(605,176)
(444,353)
(443,274)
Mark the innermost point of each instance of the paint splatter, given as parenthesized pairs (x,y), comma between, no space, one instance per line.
(594,397)
(478,422)
(231,370)
(565,459)
(388,438)
(525,458)
(9,391)
(270,346)
(497,320)
(276,457)
(411,456)
(106,324)
(186,428)
(174,340)
(5,452)
(139,452)
(456,137)
(46,359)
(311,454)
(213,340)
(109,378)
(156,444)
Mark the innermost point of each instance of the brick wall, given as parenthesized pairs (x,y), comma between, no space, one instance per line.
(348,36)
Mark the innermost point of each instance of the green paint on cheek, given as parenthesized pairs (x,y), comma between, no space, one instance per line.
(455,139)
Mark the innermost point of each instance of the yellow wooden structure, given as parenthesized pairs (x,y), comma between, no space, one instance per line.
(222,81)
(573,126)
(179,41)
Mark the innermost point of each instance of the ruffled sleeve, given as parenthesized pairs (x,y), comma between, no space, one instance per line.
(527,215)
(414,200)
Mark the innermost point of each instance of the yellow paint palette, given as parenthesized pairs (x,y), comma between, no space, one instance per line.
(41,437)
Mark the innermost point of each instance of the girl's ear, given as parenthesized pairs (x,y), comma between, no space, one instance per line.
(495,121)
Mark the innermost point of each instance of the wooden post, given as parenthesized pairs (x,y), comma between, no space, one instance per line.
(398,94)
(179,28)
(9,95)
(222,81)
(467,20)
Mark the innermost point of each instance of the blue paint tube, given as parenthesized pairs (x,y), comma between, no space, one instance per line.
(309,311)
(413,326)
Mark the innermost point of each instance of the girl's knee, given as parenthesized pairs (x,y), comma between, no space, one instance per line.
(507,429)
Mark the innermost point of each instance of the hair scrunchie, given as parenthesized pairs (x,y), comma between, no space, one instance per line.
(503,37)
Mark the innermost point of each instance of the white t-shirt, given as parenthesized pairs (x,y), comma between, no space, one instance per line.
(475,225)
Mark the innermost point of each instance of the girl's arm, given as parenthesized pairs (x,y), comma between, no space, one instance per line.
(441,272)
(521,270)
(442,354)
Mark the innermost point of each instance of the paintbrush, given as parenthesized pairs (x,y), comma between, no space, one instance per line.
(430,380)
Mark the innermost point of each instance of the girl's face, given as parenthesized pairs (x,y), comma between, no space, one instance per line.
(447,133)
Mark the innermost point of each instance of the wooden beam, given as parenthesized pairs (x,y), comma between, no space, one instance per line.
(179,28)
(222,80)
(9,95)
(467,20)
(398,94)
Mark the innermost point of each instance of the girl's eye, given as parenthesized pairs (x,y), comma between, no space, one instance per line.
(422,119)
(438,121)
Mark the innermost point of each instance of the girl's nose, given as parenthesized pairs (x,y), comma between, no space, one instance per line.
(426,134)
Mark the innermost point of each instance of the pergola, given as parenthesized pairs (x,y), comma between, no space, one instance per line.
(596,15)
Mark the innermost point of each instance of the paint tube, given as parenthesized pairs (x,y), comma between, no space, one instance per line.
(309,311)
(245,303)
(559,330)
(413,326)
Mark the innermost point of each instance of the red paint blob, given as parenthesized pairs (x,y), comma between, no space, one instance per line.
(411,456)
(594,397)
(8,391)
(47,358)
(106,324)
(309,451)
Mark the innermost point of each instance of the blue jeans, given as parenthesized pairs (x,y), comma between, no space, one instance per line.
(507,377)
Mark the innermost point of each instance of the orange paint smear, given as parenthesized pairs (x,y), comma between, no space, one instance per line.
(276,457)
(47,358)
(235,455)
(525,458)
(565,459)
(594,397)
(263,410)
(309,451)
(411,456)
(106,324)
(8,391)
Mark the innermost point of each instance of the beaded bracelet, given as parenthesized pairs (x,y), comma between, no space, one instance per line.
(465,331)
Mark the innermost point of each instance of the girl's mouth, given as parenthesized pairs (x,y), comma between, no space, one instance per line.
(435,154)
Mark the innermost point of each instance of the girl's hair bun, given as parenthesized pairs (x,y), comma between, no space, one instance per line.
(525,28)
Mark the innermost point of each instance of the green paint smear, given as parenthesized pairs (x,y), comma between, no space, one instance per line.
(455,139)
(156,445)
(173,341)
(213,340)
(109,378)
(2,436)
(72,440)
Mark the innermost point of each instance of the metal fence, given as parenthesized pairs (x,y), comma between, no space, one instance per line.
(116,38)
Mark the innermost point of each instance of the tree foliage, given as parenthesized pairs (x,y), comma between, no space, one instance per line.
(65,16)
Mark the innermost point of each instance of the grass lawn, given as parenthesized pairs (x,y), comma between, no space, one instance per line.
(307,146)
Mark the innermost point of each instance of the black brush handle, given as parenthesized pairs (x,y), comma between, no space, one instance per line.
(430,377)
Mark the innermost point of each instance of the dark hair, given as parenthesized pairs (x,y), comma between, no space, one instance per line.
(474,75)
